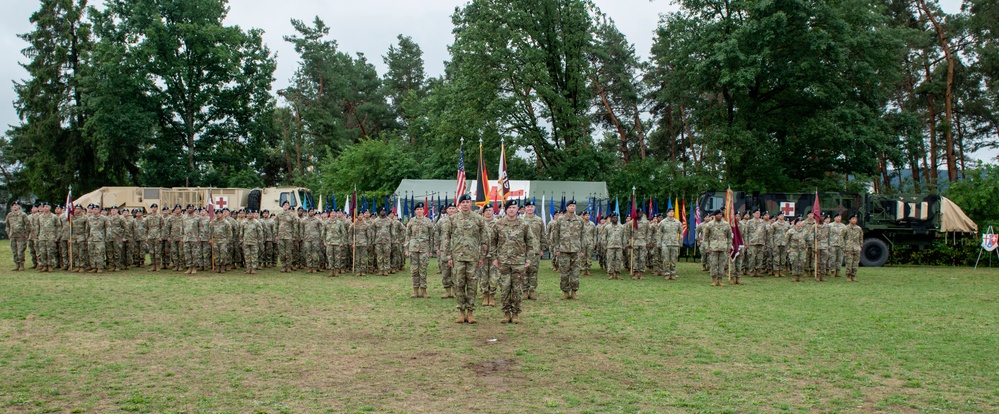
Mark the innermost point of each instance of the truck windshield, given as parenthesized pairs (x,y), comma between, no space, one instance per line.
(290,198)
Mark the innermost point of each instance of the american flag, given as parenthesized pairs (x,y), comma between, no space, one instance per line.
(461,171)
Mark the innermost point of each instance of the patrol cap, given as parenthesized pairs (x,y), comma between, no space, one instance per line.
(418,205)
(571,203)
(511,203)
(464,197)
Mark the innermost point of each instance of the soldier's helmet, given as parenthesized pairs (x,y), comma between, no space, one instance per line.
(418,205)
(464,197)
(511,203)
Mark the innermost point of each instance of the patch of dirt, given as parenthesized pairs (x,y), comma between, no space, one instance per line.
(493,367)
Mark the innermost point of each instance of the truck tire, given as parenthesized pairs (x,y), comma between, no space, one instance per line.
(874,252)
(253,202)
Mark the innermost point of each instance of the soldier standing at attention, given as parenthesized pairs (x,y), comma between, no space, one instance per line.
(116,232)
(177,238)
(537,228)
(853,239)
(398,244)
(98,226)
(823,237)
(17,228)
(48,229)
(165,237)
(363,233)
(141,234)
(718,241)
(589,241)
(312,230)
(513,248)
(757,230)
(221,234)
(81,259)
(33,236)
(614,241)
(778,243)
(797,249)
(337,237)
(253,235)
(465,245)
(447,278)
(669,233)
(285,229)
(63,242)
(267,224)
(567,242)
(640,235)
(154,230)
(192,245)
(836,245)
(488,274)
(418,232)
(383,242)
(204,253)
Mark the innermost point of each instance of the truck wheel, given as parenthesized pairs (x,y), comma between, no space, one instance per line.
(874,253)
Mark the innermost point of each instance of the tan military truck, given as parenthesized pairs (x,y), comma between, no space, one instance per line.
(269,198)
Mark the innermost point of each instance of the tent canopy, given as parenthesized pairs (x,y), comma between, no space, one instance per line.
(953,219)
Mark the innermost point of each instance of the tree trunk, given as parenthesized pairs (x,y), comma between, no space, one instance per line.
(948,95)
(622,134)
(960,144)
(672,133)
(640,129)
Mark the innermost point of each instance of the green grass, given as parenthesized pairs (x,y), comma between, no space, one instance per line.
(903,339)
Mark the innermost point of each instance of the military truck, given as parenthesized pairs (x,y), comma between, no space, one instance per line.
(269,198)
(889,221)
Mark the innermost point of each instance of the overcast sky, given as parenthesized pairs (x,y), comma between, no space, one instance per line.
(369,27)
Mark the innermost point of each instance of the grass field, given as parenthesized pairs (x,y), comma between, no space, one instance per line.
(903,339)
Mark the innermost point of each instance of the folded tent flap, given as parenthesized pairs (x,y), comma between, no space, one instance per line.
(953,219)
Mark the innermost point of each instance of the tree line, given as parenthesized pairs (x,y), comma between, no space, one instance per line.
(777,95)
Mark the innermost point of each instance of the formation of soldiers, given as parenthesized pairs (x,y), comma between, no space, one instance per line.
(817,246)
(477,251)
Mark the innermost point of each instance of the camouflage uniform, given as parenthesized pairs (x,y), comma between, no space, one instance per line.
(312,228)
(447,279)
(127,234)
(718,238)
(336,235)
(33,238)
(514,246)
(614,241)
(383,244)
(17,228)
(465,244)
(418,232)
(703,245)
(778,236)
(64,230)
(823,237)
(363,234)
(655,261)
(853,239)
(567,242)
(298,251)
(835,248)
(589,240)
(267,225)
(48,232)
(739,263)
(177,240)
(537,228)
(221,233)
(236,243)
(641,238)
(669,234)
(488,274)
(98,226)
(192,245)
(205,245)
(115,242)
(398,240)
(797,245)
(155,228)
(809,234)
(81,230)
(139,243)
(757,238)
(253,235)
(284,232)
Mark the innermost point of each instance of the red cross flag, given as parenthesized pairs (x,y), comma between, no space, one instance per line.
(787,207)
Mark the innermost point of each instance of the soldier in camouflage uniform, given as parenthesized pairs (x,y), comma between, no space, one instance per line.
(63,239)
(853,240)
(165,238)
(221,239)
(640,235)
(488,274)
(513,248)
(253,235)
(755,240)
(614,240)
(739,263)
(33,236)
(835,253)
(418,232)
(465,246)
(154,225)
(16,224)
(127,233)
(778,243)
(176,239)
(116,238)
(382,228)
(823,257)
(589,241)
(398,241)
(797,249)
(655,258)
(298,251)
(718,240)
(336,235)
(768,265)
(537,228)
(567,243)
(267,224)
(447,277)
(204,251)
(48,231)
(600,245)
(97,223)
(669,236)
(238,255)
(312,232)
(80,260)
(702,246)
(284,232)
(363,234)
(192,244)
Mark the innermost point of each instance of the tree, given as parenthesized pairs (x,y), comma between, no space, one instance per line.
(48,151)
(207,84)
(619,97)
(374,166)
(405,79)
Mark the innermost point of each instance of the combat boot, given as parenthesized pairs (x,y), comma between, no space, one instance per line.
(416,293)
(515,318)
(531,296)
(423,293)
(253,271)
(447,293)
(17,266)
(610,277)
(461,316)
(506,317)
(714,281)
(492,300)
(565,295)
(572,295)
(194,270)
(737,281)
(98,271)
(469,317)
